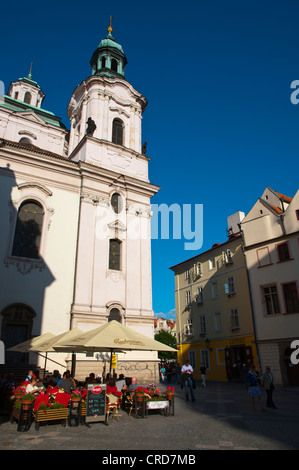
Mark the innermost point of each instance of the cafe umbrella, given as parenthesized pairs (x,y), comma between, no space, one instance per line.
(115,337)
(49,342)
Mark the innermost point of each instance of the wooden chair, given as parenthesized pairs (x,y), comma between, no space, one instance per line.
(130,400)
(112,405)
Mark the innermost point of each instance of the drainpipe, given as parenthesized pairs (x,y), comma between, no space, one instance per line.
(251,304)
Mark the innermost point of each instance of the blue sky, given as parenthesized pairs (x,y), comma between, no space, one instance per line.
(219,125)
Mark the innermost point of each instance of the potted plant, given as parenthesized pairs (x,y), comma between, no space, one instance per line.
(169,392)
(152,389)
(18,393)
(75,398)
(27,400)
(139,393)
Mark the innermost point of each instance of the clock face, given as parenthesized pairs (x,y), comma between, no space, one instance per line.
(116,203)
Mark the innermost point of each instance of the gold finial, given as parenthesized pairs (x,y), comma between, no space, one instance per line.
(110,29)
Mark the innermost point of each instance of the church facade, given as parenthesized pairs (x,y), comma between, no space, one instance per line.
(75,210)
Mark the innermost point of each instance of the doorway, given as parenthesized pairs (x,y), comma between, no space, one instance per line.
(235,357)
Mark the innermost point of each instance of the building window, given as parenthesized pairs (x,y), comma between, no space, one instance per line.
(188,327)
(230,286)
(291,299)
(117,132)
(103,62)
(197,270)
(271,300)
(27,97)
(115,315)
(187,275)
(114,255)
(188,298)
(192,358)
(199,295)
(283,252)
(234,319)
(28,230)
(214,290)
(263,256)
(218,325)
(227,257)
(204,358)
(114,65)
(297,213)
(202,325)
(25,140)
(116,203)
(212,264)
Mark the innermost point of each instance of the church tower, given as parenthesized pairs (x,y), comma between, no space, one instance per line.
(113,261)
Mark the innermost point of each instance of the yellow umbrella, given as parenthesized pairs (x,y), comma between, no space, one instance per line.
(115,336)
(31,344)
(56,343)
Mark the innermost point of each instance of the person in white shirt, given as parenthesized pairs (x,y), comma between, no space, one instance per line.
(32,387)
(187,372)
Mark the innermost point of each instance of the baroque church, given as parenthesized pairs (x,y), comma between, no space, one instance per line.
(75,211)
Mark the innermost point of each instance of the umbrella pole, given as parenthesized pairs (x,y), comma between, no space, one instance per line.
(73,370)
(45,365)
(111,350)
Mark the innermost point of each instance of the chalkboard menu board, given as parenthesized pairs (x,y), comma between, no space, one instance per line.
(96,403)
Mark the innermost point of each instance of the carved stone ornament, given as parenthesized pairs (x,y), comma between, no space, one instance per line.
(25,266)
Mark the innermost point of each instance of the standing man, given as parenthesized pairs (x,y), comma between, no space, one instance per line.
(268,382)
(187,372)
(203,370)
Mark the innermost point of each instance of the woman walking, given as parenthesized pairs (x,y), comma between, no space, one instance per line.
(253,388)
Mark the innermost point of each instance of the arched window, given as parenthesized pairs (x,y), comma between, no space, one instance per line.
(28,230)
(117,132)
(114,254)
(103,62)
(25,140)
(27,97)
(115,315)
(114,65)
(116,203)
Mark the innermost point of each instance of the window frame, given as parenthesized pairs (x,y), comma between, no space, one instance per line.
(40,194)
(38,236)
(119,255)
(279,252)
(117,123)
(294,283)
(215,316)
(270,295)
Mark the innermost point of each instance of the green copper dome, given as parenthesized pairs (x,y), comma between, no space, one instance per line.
(109,41)
(109,58)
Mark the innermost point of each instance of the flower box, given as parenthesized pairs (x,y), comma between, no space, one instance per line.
(50,415)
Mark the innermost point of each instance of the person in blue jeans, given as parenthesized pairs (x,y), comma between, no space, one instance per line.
(187,372)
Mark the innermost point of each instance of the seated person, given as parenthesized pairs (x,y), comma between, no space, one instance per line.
(67,383)
(121,383)
(29,376)
(91,379)
(133,385)
(111,388)
(33,388)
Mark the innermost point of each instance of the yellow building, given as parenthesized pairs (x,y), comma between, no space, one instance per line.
(213,311)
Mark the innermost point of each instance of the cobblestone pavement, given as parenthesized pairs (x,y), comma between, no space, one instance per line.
(220,418)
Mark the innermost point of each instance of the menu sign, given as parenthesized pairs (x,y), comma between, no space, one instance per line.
(96,403)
